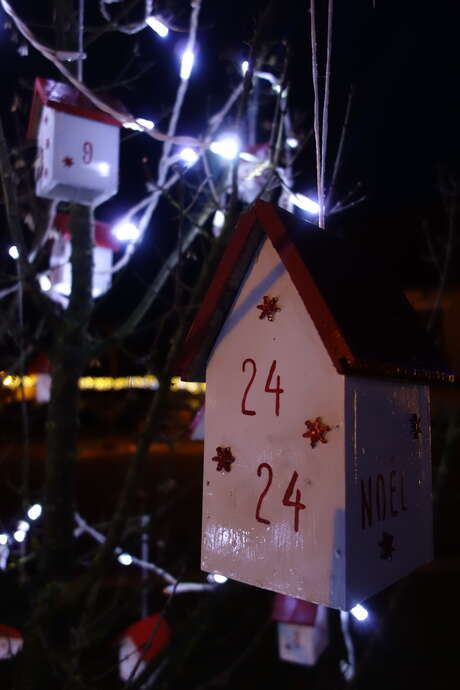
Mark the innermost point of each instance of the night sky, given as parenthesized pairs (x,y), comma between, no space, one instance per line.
(401,57)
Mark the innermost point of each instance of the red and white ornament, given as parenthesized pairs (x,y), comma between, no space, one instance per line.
(40,366)
(10,642)
(140,643)
(61,271)
(78,145)
(303,632)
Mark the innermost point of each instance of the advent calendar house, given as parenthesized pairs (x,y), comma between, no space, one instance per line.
(105,244)
(317,475)
(77,145)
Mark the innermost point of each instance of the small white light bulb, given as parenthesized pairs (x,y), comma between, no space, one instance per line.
(3,539)
(220,579)
(186,65)
(34,511)
(19,536)
(228,147)
(359,612)
(126,232)
(139,124)
(158,26)
(244,67)
(305,203)
(219,219)
(45,283)
(13,251)
(23,526)
(148,124)
(292,142)
(125,559)
(189,156)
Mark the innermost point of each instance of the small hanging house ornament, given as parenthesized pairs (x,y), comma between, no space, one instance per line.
(303,632)
(41,367)
(77,145)
(60,274)
(330,498)
(10,642)
(140,643)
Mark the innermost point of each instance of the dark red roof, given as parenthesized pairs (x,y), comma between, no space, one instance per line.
(67,99)
(364,320)
(150,635)
(11,633)
(291,610)
(103,236)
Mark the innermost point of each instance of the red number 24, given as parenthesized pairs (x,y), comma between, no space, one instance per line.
(297,504)
(277,390)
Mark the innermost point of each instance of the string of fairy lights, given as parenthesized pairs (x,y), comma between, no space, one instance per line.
(19,535)
(226,145)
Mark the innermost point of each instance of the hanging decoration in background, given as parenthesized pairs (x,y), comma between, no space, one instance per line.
(10,642)
(78,145)
(41,367)
(60,274)
(140,643)
(303,632)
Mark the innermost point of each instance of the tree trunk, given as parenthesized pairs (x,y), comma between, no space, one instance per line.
(68,361)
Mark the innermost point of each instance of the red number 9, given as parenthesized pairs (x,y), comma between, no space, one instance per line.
(87,152)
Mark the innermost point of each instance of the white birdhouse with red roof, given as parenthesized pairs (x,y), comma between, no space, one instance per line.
(317,475)
(77,145)
(10,641)
(303,632)
(140,643)
(60,274)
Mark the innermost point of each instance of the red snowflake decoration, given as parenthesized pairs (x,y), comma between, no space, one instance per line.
(268,308)
(224,458)
(68,161)
(317,431)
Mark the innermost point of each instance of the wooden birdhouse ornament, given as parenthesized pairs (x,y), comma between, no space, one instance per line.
(303,631)
(77,145)
(60,274)
(317,476)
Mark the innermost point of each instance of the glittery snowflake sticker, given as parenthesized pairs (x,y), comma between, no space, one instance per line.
(224,458)
(316,431)
(268,308)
